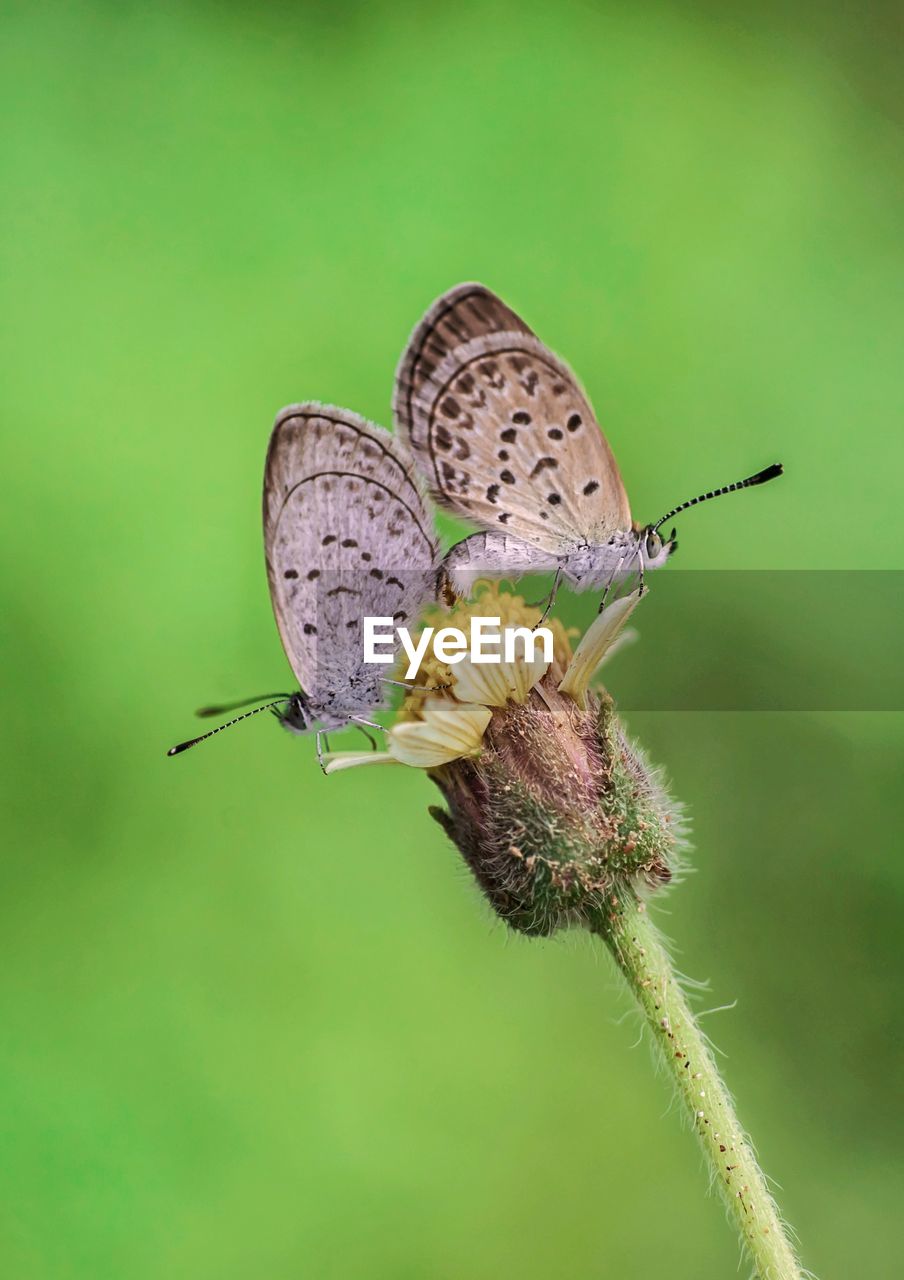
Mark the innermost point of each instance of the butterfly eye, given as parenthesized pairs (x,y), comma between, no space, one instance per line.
(654,545)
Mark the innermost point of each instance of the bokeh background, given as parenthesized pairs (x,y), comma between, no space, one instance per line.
(258,1022)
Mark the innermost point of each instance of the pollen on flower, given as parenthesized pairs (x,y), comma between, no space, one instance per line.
(490,684)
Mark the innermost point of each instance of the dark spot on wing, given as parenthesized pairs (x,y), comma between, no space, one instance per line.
(291,573)
(492,493)
(509,435)
(591,487)
(349,542)
(376,573)
(555,433)
(400,616)
(506,477)
(503,455)
(521,418)
(313,574)
(394,582)
(573,422)
(309,629)
(554,499)
(450,407)
(330,537)
(441,436)
(543,465)
(504,517)
(366,556)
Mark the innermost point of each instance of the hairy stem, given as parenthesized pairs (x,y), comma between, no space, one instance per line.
(640,955)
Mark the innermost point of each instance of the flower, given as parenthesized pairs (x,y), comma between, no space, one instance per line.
(554,810)
(599,643)
(336,761)
(446,730)
(489,684)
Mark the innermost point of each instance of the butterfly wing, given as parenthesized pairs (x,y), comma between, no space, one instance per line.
(347,536)
(457,317)
(500,427)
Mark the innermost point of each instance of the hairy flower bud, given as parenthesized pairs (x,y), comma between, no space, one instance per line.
(554,810)
(558,813)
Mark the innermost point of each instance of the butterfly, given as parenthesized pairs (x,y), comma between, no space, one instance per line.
(506,438)
(346,536)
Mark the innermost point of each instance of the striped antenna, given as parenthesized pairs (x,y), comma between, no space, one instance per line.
(221,708)
(761,477)
(193,742)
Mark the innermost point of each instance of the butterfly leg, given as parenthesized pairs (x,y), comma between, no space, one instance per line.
(370,738)
(640,584)
(551,598)
(321,739)
(612,576)
(371,724)
(415,688)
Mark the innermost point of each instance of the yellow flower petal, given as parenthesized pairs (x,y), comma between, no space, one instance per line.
(597,642)
(448,731)
(336,761)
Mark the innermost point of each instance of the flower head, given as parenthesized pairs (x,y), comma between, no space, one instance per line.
(489,684)
(553,809)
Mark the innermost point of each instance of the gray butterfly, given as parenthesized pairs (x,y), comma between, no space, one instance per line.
(506,438)
(347,536)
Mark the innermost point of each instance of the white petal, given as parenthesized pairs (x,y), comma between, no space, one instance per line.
(336,761)
(596,643)
(448,731)
(492,684)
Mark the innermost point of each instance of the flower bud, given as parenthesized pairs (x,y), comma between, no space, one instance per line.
(553,809)
(558,814)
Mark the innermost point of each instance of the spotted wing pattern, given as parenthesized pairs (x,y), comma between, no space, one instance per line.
(347,536)
(502,430)
(457,317)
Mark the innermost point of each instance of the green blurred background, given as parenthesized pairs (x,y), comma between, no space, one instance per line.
(257,1022)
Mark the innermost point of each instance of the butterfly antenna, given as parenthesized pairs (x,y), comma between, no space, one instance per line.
(193,742)
(222,708)
(761,477)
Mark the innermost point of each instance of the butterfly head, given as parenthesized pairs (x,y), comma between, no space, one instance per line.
(297,715)
(656,550)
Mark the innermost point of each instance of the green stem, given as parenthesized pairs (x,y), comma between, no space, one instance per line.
(640,955)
